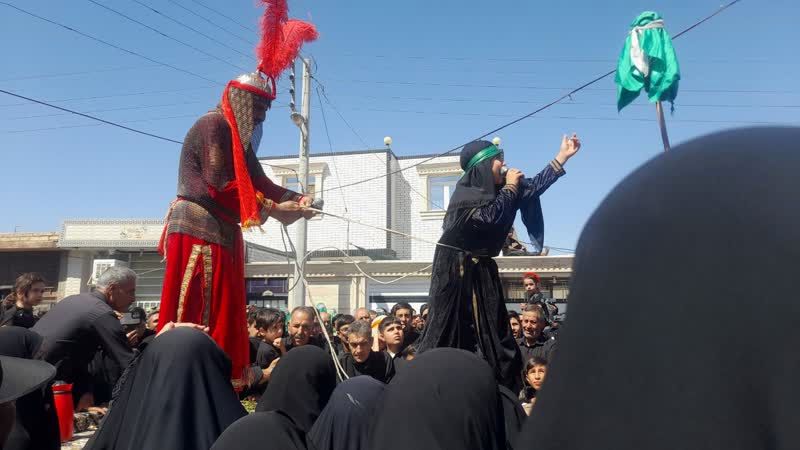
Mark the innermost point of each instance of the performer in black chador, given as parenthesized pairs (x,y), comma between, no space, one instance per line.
(467,306)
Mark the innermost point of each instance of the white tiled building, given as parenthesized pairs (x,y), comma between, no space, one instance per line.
(405,193)
(408,194)
(410,201)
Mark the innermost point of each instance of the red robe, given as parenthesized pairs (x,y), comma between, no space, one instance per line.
(202,241)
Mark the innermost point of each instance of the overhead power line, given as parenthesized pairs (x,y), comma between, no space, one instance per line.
(534,112)
(546,88)
(100,97)
(193,29)
(106,43)
(107,122)
(211,22)
(161,33)
(125,108)
(224,15)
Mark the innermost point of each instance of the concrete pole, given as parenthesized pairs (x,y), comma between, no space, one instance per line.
(299,297)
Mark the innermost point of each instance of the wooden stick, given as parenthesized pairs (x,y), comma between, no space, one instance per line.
(662,125)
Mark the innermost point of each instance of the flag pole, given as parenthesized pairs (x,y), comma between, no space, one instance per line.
(662,125)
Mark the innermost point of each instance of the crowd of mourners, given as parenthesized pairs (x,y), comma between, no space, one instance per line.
(673,360)
(95,340)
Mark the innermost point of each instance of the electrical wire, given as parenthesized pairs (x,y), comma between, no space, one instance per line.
(159,32)
(211,38)
(107,122)
(223,15)
(106,43)
(534,112)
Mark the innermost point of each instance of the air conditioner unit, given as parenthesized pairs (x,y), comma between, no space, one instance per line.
(101,265)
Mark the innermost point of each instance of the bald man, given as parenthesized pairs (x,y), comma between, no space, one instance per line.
(362,314)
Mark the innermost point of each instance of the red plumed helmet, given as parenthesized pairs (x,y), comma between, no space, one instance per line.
(281,38)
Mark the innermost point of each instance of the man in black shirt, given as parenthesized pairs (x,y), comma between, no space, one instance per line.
(404,313)
(533,342)
(78,325)
(301,329)
(362,360)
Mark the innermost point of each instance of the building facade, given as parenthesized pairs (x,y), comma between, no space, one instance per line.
(351,263)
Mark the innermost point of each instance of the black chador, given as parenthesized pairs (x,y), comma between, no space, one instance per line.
(466,296)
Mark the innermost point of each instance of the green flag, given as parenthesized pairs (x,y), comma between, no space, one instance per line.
(647,61)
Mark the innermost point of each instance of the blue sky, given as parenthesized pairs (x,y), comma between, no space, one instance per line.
(430,74)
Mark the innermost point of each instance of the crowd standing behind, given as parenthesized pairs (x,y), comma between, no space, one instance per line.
(90,339)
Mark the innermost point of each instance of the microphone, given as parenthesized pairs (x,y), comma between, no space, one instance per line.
(317,203)
(503,171)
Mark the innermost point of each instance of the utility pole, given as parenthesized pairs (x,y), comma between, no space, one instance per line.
(302,121)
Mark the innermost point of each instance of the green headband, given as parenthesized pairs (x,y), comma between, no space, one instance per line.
(487,153)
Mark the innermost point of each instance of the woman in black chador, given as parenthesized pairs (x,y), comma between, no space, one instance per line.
(467,305)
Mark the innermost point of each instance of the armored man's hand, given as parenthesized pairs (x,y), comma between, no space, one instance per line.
(287,212)
(306,202)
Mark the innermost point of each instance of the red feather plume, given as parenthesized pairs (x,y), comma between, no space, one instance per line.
(281,38)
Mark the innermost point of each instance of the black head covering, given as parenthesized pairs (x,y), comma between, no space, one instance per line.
(19,342)
(705,239)
(344,423)
(177,395)
(36,424)
(513,413)
(262,431)
(475,188)
(300,386)
(446,399)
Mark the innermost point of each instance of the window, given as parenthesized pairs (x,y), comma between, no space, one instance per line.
(292,184)
(439,191)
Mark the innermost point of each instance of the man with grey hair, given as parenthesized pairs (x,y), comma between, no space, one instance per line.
(78,325)
(362,360)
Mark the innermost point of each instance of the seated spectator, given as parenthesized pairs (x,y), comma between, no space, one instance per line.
(345,421)
(262,430)
(301,386)
(533,342)
(516,325)
(362,360)
(535,372)
(17,307)
(404,312)
(342,326)
(391,334)
(449,398)
(152,320)
(36,423)
(79,325)
(363,314)
(177,395)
